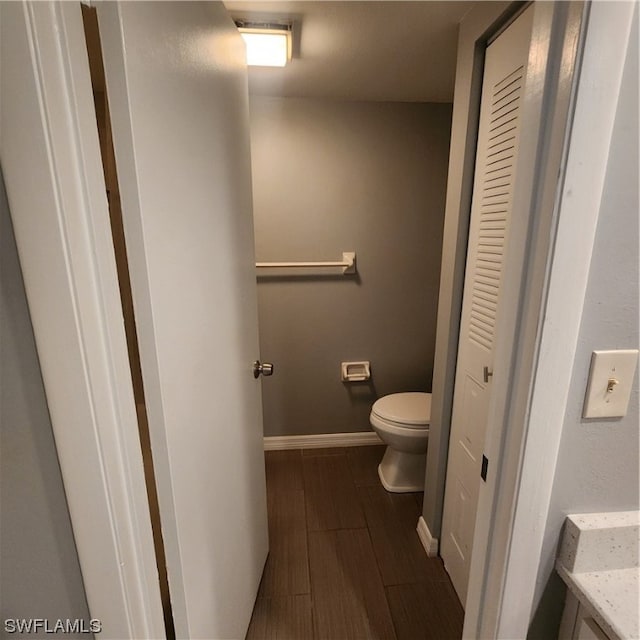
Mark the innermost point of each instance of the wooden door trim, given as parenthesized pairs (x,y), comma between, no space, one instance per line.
(70,277)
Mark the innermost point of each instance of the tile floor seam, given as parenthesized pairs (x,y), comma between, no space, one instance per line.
(306,533)
(384,587)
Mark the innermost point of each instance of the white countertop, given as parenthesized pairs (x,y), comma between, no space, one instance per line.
(611,597)
(598,561)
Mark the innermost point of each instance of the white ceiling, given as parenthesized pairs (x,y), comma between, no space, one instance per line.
(367,50)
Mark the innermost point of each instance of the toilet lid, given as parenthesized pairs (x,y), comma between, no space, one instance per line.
(405,408)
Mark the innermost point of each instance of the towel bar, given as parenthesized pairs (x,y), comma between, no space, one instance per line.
(348,264)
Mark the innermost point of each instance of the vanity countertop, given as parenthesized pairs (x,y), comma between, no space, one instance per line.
(599,563)
(611,597)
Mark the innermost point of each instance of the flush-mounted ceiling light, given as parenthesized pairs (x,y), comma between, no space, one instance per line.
(268,45)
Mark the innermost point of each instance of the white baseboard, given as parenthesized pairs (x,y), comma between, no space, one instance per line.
(429,543)
(317,441)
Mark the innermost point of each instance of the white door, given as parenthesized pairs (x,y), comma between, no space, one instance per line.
(177,91)
(496,164)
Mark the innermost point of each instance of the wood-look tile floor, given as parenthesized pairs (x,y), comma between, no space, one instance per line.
(345,561)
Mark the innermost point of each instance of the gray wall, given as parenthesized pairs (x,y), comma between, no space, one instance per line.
(39,571)
(334,176)
(598,462)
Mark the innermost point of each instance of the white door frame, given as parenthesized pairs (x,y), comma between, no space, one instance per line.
(553,54)
(51,162)
(536,346)
(479,27)
(540,402)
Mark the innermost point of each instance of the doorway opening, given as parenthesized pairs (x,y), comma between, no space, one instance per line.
(371,177)
(92,36)
(287,324)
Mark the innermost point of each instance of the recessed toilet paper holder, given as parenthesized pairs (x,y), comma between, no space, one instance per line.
(355,371)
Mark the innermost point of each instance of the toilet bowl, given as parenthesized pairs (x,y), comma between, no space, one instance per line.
(402,422)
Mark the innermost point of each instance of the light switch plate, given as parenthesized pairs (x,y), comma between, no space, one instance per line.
(609,387)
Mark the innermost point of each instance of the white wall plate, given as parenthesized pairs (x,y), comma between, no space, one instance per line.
(610,382)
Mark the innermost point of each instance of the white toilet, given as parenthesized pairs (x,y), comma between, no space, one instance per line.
(402,422)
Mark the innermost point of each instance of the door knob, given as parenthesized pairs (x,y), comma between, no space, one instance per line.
(265,369)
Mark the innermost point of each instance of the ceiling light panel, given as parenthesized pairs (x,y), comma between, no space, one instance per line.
(268,45)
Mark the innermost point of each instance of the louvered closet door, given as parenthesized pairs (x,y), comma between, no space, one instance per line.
(491,213)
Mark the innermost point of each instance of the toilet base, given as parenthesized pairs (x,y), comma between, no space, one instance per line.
(402,472)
